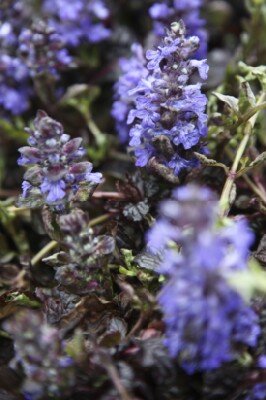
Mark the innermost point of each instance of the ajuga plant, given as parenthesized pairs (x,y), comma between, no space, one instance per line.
(56,170)
(15,87)
(169,119)
(43,49)
(207,321)
(132,70)
(132,283)
(163,13)
(258,392)
(14,15)
(36,37)
(81,268)
(79,20)
(49,370)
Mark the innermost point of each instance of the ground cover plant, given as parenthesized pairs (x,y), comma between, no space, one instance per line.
(132,200)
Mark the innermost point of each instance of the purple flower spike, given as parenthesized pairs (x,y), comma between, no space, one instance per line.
(14,84)
(169,119)
(206,319)
(132,71)
(164,12)
(262,361)
(39,349)
(258,392)
(43,49)
(78,21)
(55,173)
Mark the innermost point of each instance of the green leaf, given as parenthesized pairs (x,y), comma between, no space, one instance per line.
(75,348)
(250,281)
(126,272)
(84,192)
(21,299)
(143,273)
(245,359)
(12,132)
(247,98)
(136,212)
(128,257)
(231,101)
(253,73)
(259,160)
(56,259)
(80,96)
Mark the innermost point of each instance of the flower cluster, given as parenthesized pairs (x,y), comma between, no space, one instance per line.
(258,392)
(40,351)
(14,14)
(169,117)
(78,20)
(132,71)
(14,84)
(14,75)
(165,12)
(80,270)
(25,51)
(206,318)
(55,173)
(32,46)
(43,49)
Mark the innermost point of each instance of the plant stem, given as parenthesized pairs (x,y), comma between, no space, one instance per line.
(99,220)
(258,190)
(225,197)
(94,128)
(8,193)
(17,210)
(45,250)
(120,156)
(109,195)
(137,326)
(114,376)
(260,193)
(253,111)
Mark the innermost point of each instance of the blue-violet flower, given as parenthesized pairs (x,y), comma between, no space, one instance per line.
(132,71)
(169,118)
(49,371)
(164,12)
(56,171)
(206,318)
(78,20)
(258,392)
(43,49)
(14,85)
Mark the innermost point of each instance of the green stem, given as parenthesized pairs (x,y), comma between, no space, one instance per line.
(225,197)
(17,210)
(260,193)
(258,190)
(120,156)
(45,250)
(99,136)
(99,220)
(250,113)
(115,378)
